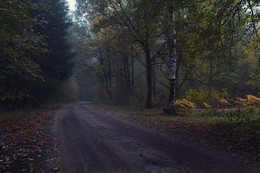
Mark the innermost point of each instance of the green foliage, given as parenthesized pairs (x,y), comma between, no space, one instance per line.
(56,64)
(19,43)
(217,47)
(196,96)
(34,54)
(239,119)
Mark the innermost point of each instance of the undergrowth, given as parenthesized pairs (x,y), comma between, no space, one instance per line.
(236,119)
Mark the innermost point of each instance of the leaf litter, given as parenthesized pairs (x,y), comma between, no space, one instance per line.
(26,143)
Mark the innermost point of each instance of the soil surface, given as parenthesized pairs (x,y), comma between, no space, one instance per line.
(97,140)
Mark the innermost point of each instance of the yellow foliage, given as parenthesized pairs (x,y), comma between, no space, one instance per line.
(223,102)
(238,103)
(220,97)
(241,100)
(253,100)
(206,105)
(250,100)
(200,97)
(185,104)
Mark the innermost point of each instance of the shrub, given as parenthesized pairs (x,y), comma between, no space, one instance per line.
(223,102)
(249,101)
(200,98)
(253,100)
(250,109)
(238,117)
(184,104)
(237,103)
(206,105)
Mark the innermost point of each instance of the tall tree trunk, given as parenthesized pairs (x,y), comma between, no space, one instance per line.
(127,75)
(102,91)
(154,84)
(149,78)
(125,70)
(102,76)
(109,79)
(118,71)
(133,75)
(210,79)
(173,57)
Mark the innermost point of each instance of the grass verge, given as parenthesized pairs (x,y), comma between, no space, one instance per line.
(236,131)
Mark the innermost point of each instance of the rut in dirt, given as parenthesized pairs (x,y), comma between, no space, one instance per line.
(93,140)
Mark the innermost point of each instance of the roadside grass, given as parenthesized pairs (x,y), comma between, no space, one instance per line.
(236,119)
(234,130)
(232,118)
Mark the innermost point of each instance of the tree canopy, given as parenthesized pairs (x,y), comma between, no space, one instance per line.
(35,55)
(197,44)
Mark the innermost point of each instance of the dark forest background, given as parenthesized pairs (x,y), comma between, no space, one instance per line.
(36,58)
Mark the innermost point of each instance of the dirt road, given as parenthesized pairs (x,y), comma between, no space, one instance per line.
(96,141)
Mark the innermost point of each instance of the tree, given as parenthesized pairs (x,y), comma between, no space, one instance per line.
(140,24)
(57,63)
(181,44)
(19,43)
(35,56)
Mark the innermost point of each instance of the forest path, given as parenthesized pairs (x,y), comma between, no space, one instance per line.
(94,140)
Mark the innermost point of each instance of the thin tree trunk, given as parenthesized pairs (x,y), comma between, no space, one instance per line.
(173,57)
(149,78)
(102,91)
(118,71)
(110,79)
(125,70)
(128,74)
(154,84)
(210,80)
(102,74)
(133,75)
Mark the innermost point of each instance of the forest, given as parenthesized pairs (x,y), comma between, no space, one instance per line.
(36,58)
(129,86)
(154,54)
(150,54)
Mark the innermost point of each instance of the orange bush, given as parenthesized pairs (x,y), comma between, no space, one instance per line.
(223,102)
(253,100)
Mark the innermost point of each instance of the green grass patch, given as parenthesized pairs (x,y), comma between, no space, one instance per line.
(236,119)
